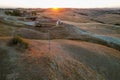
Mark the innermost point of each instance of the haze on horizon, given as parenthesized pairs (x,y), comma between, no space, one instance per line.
(60,3)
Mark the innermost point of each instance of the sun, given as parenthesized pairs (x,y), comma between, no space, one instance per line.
(55,8)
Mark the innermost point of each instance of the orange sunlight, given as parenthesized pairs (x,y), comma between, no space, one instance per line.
(55,8)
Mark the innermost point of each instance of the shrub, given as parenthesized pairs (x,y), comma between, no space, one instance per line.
(13,13)
(117,24)
(19,42)
(8,12)
(16,13)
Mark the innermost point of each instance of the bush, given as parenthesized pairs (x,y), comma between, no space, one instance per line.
(13,13)
(16,13)
(8,12)
(117,24)
(19,42)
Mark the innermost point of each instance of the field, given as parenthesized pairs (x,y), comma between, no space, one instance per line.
(86,46)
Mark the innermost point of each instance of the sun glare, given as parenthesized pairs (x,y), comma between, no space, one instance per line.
(55,8)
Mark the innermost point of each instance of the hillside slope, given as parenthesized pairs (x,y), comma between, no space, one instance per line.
(66,60)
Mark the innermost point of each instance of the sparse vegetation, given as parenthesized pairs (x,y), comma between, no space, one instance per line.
(13,13)
(80,48)
(5,30)
(4,64)
(97,41)
(117,24)
(19,42)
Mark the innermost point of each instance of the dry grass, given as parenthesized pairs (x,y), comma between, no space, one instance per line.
(19,42)
(102,29)
(73,60)
(4,64)
(99,58)
(109,18)
(67,59)
(5,30)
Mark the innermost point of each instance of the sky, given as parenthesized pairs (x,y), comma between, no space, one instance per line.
(60,3)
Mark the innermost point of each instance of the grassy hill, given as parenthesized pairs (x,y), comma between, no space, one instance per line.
(75,53)
(67,59)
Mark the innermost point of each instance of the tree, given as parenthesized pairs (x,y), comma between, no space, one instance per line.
(34,13)
(16,13)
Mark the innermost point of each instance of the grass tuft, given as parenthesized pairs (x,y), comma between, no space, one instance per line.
(19,42)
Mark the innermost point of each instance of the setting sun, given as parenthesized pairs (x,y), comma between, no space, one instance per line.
(55,8)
